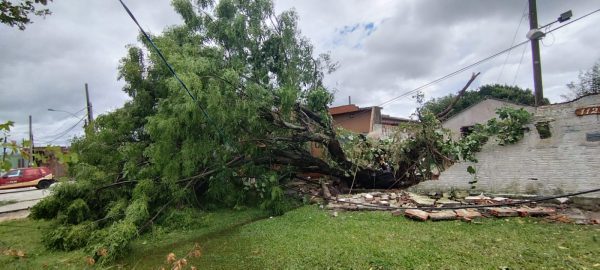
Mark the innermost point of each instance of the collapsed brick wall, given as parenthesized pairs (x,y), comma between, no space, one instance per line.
(567,161)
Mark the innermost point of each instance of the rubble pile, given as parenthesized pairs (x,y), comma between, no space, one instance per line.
(389,200)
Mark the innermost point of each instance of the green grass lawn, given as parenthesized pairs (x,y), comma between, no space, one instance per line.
(308,238)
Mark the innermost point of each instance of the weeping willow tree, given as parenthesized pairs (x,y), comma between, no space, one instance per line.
(256,101)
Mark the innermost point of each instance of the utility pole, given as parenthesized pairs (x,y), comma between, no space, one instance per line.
(535,56)
(88,104)
(4,150)
(30,143)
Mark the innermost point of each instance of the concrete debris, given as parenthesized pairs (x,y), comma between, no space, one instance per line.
(502,212)
(447,202)
(479,199)
(386,201)
(415,214)
(422,200)
(442,215)
(500,200)
(536,211)
(467,214)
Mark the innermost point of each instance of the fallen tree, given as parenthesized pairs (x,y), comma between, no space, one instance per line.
(256,103)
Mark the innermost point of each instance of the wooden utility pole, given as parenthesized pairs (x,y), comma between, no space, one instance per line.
(30,143)
(535,55)
(4,150)
(90,115)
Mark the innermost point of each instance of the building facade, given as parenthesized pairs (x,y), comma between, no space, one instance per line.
(558,155)
(478,113)
(367,120)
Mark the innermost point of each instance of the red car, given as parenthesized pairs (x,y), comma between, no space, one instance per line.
(40,178)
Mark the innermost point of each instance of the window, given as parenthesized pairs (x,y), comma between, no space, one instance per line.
(13,173)
(466,130)
(543,129)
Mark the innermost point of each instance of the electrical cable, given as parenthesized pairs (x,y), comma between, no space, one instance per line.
(572,21)
(56,131)
(524,14)
(519,66)
(162,57)
(454,73)
(64,132)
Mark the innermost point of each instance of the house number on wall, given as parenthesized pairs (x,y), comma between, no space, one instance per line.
(587,111)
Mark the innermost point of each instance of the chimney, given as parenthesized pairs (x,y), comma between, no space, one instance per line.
(349,100)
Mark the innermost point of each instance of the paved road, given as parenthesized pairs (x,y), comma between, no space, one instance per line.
(25,197)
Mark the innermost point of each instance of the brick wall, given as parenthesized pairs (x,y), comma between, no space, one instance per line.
(568,161)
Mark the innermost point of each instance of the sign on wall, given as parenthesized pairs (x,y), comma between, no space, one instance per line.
(587,111)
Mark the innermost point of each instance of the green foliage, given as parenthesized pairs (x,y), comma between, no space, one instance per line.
(77,212)
(47,208)
(422,149)
(240,61)
(589,83)
(543,128)
(503,92)
(17,15)
(509,129)
(363,151)
(68,238)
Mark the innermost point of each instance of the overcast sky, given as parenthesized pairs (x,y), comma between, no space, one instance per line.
(384,49)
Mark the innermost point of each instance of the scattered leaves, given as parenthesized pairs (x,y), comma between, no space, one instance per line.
(14,253)
(103,252)
(90,261)
(171,257)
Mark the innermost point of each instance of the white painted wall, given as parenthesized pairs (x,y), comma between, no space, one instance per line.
(566,162)
(478,114)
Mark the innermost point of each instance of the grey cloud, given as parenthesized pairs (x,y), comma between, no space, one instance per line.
(46,65)
(414,42)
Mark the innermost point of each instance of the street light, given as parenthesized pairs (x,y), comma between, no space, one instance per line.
(537,33)
(534,35)
(72,114)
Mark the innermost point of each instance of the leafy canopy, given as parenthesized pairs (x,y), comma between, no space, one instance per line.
(497,91)
(589,83)
(243,64)
(19,14)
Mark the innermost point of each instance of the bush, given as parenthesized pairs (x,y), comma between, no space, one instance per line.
(77,212)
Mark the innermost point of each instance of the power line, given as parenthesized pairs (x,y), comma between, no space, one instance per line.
(519,66)
(454,73)
(480,61)
(162,57)
(55,132)
(64,132)
(572,21)
(513,41)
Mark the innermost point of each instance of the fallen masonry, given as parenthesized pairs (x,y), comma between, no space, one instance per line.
(434,208)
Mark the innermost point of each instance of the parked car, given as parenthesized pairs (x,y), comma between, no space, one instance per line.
(40,178)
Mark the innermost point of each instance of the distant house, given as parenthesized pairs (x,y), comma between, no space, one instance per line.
(367,120)
(51,161)
(16,160)
(461,123)
(48,160)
